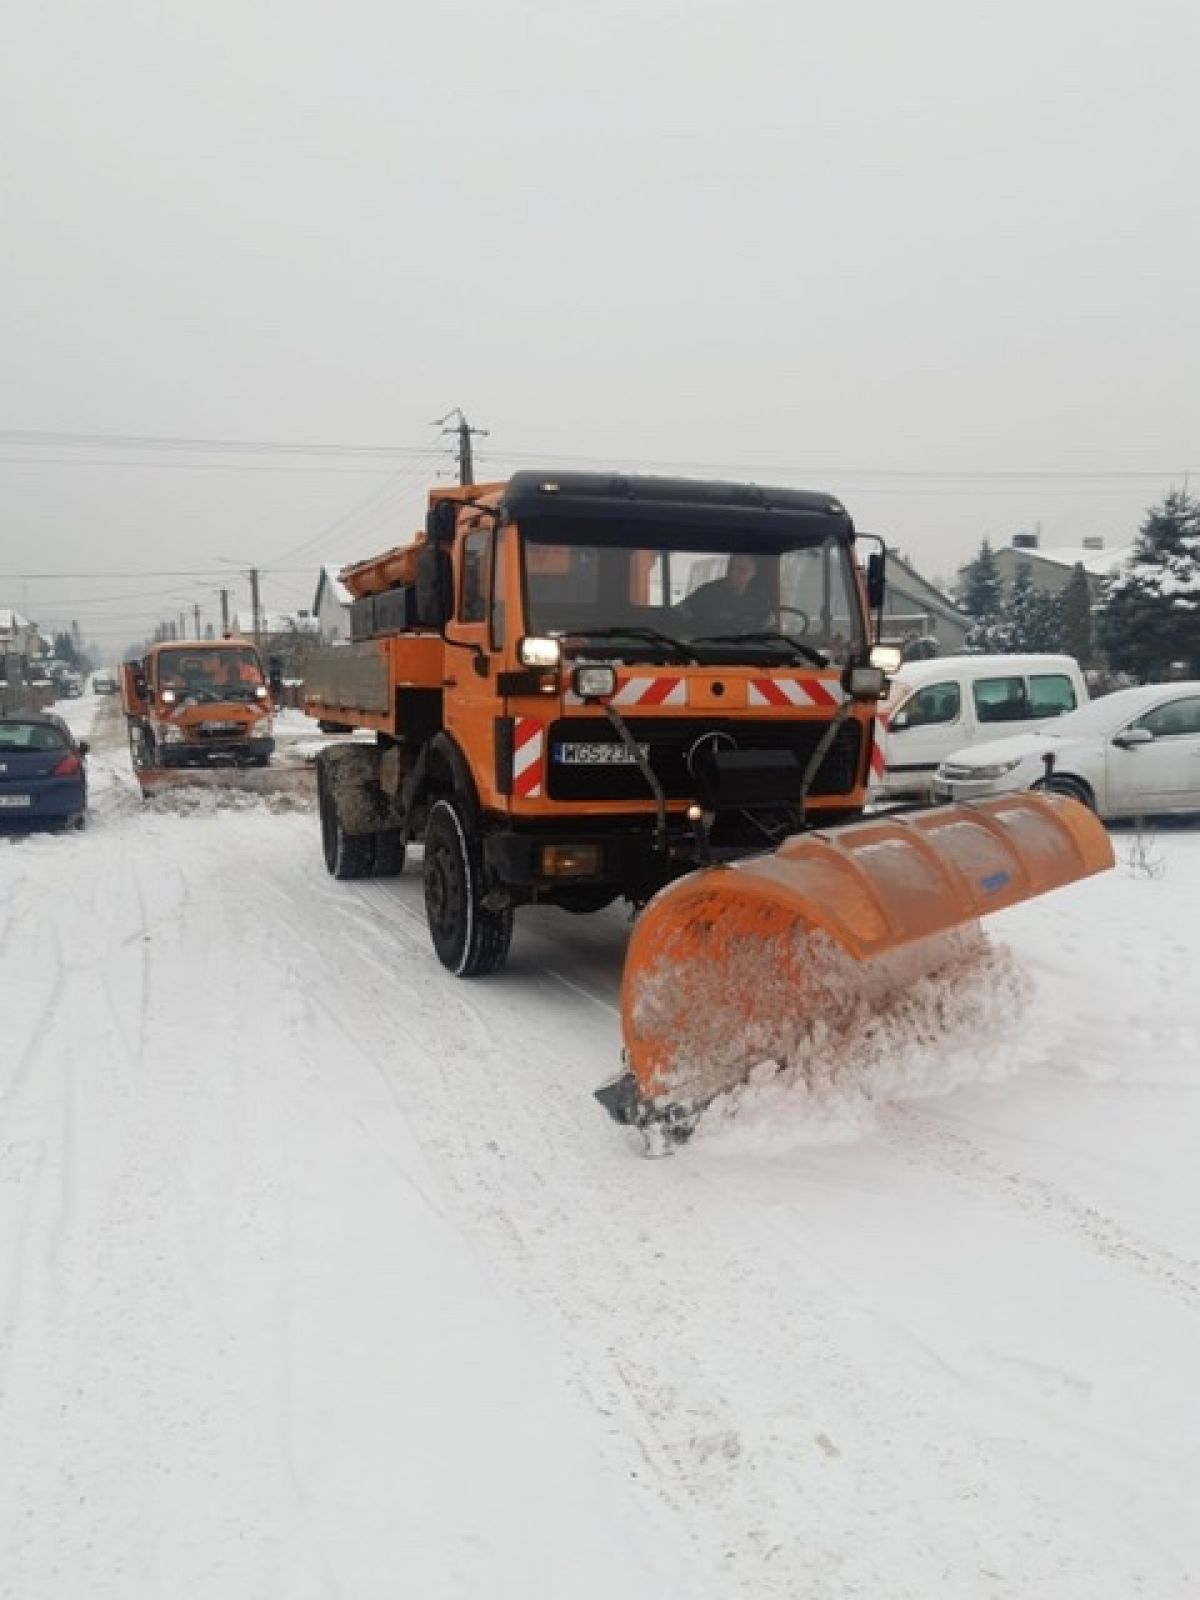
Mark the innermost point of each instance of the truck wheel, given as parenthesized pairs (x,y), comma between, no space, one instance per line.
(469,939)
(389,853)
(347,855)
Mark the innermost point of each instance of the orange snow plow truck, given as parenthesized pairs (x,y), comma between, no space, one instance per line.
(197,712)
(585,688)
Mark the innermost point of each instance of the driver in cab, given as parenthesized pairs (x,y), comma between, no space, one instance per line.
(736,603)
(186,675)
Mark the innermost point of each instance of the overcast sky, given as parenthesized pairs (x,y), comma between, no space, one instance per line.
(936,257)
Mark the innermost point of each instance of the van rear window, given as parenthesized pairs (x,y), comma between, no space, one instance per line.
(1051,694)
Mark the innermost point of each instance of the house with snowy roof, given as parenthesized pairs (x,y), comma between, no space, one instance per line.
(1050,567)
(331,606)
(20,637)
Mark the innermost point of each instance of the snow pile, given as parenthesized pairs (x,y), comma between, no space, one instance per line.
(941,1032)
(208,799)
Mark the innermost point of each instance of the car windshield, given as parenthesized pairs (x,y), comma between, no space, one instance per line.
(1101,716)
(669,590)
(30,736)
(233,673)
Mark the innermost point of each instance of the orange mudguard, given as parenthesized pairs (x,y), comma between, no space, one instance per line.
(731,966)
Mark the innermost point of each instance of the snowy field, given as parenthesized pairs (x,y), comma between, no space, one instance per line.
(322,1274)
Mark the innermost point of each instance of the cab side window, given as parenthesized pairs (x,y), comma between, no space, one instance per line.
(472,600)
(1001,700)
(936,703)
(1051,694)
(1179,719)
(498,590)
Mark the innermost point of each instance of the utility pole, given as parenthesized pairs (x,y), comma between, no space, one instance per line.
(224,593)
(183,624)
(254,606)
(196,613)
(464,430)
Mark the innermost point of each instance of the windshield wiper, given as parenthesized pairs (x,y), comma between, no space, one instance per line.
(765,636)
(651,635)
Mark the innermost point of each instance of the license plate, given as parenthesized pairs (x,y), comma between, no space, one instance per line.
(15,802)
(576,754)
(220,727)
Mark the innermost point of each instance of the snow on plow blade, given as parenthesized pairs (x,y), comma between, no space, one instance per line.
(731,966)
(216,779)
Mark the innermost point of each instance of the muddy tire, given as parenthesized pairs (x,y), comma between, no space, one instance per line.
(470,940)
(389,853)
(347,855)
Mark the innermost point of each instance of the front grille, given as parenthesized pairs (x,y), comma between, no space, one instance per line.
(670,739)
(225,735)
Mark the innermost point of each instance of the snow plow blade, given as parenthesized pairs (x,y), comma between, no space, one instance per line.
(238,780)
(731,967)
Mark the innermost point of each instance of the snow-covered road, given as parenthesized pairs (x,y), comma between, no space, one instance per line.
(323,1275)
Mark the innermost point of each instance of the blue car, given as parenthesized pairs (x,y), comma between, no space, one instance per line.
(43,776)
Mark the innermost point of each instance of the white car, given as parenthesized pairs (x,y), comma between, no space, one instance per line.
(1133,753)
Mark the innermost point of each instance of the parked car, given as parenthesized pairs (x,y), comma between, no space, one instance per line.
(104,683)
(43,772)
(1133,753)
(944,705)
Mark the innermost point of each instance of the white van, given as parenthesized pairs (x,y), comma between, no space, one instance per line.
(938,707)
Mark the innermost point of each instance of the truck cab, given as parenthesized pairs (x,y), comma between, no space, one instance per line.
(585,686)
(198,704)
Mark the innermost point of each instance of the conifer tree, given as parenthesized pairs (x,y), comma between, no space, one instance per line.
(1150,624)
(983,588)
(1077,616)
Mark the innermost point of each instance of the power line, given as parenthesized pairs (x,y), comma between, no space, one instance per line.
(954,475)
(185,466)
(143,572)
(186,443)
(396,485)
(197,445)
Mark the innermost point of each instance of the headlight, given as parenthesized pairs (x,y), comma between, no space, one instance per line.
(260,689)
(538,652)
(999,769)
(168,733)
(594,683)
(260,727)
(167,697)
(887,657)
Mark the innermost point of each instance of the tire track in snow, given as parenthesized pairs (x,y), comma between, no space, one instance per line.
(913,1135)
(662,1320)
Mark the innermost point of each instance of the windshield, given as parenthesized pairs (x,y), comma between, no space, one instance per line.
(722,597)
(1100,716)
(230,674)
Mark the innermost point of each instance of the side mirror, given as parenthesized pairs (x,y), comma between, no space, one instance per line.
(141,686)
(441,522)
(275,676)
(899,722)
(84,747)
(876,580)
(435,586)
(1133,738)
